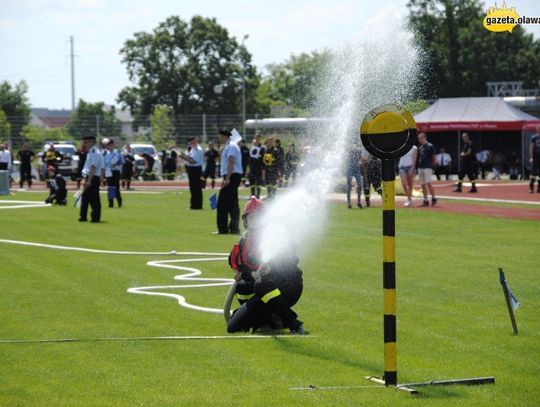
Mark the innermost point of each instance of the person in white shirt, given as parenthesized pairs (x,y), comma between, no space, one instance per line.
(228,210)
(443,161)
(195,161)
(92,170)
(407,171)
(5,158)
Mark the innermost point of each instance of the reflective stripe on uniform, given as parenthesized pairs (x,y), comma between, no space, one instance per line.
(244,296)
(272,294)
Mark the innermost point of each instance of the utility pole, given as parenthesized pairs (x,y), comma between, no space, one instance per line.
(72,57)
(246,36)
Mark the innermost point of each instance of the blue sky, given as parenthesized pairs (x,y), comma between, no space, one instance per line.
(35,36)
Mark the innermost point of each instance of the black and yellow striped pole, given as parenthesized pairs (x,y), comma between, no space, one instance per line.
(387,132)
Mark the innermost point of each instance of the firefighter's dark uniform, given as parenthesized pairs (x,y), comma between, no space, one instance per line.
(256,167)
(271,172)
(271,294)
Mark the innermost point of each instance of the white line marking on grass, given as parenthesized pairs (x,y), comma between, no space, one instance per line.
(510,201)
(313,387)
(22,204)
(190,276)
(151,338)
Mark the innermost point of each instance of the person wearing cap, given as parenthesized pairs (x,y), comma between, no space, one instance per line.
(91,172)
(195,161)
(228,211)
(113,161)
(266,291)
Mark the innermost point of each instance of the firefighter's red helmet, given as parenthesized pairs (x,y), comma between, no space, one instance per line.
(253,205)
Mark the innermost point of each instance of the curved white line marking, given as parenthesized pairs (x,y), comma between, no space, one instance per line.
(190,276)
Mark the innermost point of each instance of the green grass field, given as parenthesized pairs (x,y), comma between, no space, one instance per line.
(452,317)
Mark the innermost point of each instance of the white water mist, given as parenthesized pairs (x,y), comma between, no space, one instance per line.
(378,67)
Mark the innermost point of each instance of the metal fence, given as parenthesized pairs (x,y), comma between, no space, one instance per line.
(203,126)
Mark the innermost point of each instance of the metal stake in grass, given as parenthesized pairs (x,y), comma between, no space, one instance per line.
(387,132)
(511,301)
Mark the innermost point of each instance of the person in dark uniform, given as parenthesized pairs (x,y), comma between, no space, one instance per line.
(26,155)
(244,152)
(211,156)
(113,164)
(127,167)
(52,157)
(371,175)
(279,155)
(92,170)
(266,292)
(467,164)
(169,165)
(354,156)
(81,153)
(57,188)
(256,166)
(534,159)
(228,210)
(292,159)
(270,168)
(195,161)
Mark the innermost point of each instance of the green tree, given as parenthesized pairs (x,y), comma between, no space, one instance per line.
(37,136)
(93,118)
(294,83)
(179,64)
(459,56)
(15,104)
(162,125)
(5,127)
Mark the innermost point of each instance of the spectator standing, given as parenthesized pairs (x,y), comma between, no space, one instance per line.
(244,151)
(292,159)
(407,171)
(426,160)
(270,168)
(195,161)
(81,153)
(5,160)
(534,160)
(468,164)
(354,156)
(228,211)
(444,162)
(52,157)
(26,155)
(371,175)
(113,164)
(279,155)
(499,161)
(92,173)
(514,166)
(485,160)
(211,156)
(256,166)
(127,168)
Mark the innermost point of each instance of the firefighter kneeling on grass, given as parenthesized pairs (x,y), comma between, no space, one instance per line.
(266,292)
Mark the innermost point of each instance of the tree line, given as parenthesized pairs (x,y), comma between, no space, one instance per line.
(196,66)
